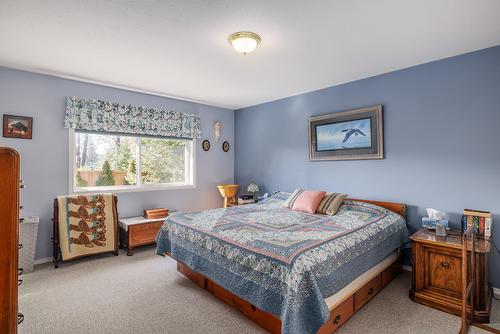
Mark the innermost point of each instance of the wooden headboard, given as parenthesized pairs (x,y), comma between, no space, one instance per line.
(399,208)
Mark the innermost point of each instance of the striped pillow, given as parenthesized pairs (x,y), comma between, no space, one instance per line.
(331,203)
(293,197)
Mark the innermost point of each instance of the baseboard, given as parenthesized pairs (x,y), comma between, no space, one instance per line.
(496,292)
(44,260)
(406,268)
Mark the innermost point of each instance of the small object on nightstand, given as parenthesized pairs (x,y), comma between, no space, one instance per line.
(246,199)
(263,197)
(431,223)
(441,229)
(481,220)
(253,188)
(434,217)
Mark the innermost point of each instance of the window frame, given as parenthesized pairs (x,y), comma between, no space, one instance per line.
(190,167)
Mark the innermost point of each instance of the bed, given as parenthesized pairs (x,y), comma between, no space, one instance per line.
(289,271)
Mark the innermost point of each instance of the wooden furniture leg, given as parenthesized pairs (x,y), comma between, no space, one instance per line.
(468,285)
(130,251)
(55,235)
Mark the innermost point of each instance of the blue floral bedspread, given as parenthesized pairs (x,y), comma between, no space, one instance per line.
(282,261)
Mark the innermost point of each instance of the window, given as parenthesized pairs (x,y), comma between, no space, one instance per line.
(113,162)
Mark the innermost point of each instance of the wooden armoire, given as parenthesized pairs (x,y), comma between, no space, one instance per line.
(9,240)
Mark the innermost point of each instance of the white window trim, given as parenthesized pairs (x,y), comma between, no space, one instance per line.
(190,159)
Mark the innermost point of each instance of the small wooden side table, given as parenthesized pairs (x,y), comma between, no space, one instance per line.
(138,231)
(437,276)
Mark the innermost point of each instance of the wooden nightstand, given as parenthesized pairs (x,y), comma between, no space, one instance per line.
(437,277)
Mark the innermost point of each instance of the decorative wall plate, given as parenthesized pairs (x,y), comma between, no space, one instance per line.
(205,145)
(225,146)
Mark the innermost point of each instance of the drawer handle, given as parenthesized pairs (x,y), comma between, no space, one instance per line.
(336,320)
(370,291)
(21,246)
(445,265)
(20,318)
(20,271)
(19,282)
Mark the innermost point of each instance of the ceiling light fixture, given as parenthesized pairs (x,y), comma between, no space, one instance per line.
(244,41)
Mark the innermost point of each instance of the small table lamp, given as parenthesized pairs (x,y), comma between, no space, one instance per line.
(253,188)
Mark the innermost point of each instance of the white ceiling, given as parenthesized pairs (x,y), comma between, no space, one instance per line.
(180,48)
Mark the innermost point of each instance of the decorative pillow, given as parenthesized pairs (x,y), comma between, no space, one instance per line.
(331,203)
(308,201)
(289,202)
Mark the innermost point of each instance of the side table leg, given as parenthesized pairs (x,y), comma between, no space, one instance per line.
(130,251)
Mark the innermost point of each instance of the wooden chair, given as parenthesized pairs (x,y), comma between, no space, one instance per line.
(468,278)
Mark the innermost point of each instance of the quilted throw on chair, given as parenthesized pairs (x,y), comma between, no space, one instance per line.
(87,225)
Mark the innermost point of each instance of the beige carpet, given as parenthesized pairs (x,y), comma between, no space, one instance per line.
(145,294)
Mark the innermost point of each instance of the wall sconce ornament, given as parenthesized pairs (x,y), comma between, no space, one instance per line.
(217,130)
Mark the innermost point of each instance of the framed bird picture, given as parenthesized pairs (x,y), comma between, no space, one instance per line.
(17,127)
(349,135)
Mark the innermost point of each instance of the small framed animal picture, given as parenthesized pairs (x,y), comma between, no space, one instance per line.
(205,145)
(17,127)
(225,146)
(348,135)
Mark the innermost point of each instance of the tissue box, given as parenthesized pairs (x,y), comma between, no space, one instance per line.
(432,222)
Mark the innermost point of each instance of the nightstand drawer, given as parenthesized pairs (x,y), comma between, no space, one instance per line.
(444,271)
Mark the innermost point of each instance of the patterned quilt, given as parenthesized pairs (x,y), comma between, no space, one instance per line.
(87,225)
(283,261)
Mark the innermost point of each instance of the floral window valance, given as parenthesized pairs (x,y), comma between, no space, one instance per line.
(104,116)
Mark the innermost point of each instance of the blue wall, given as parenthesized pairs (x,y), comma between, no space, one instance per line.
(441,134)
(44,160)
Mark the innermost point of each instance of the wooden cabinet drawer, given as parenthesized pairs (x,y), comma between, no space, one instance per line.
(271,324)
(192,275)
(391,272)
(143,233)
(225,296)
(338,316)
(443,271)
(241,305)
(367,292)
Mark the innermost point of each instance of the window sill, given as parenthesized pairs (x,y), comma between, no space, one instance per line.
(128,189)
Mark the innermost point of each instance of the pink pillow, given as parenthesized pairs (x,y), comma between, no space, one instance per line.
(308,201)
